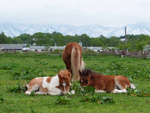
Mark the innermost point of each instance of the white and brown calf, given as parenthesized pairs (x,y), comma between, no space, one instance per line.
(57,85)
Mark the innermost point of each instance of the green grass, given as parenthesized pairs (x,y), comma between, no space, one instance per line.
(18,102)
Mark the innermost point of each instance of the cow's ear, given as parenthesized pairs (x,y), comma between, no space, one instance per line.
(69,74)
(89,72)
(59,75)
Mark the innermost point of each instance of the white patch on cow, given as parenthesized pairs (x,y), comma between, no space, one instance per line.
(119,91)
(64,85)
(81,80)
(45,83)
(132,86)
(34,88)
(38,77)
(117,84)
(52,90)
(41,93)
(27,92)
(99,91)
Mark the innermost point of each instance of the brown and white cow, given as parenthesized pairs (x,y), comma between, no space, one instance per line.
(57,85)
(102,83)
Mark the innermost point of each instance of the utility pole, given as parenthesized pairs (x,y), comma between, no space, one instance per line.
(125,38)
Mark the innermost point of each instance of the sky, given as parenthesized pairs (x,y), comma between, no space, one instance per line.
(112,13)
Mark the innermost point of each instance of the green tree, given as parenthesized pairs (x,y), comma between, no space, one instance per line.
(4,39)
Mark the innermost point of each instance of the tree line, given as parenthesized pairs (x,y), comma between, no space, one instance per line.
(134,42)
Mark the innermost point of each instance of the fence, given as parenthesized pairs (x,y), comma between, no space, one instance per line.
(145,54)
(89,52)
(26,52)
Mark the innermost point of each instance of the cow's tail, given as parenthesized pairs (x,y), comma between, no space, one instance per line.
(75,63)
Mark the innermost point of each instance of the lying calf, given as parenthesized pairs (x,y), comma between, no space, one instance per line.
(102,83)
(57,85)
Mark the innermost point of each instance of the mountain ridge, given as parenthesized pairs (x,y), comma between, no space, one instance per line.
(93,30)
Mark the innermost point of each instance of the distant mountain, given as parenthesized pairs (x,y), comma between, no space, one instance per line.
(137,28)
(91,30)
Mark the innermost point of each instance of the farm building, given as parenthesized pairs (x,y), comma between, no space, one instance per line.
(12,47)
(43,48)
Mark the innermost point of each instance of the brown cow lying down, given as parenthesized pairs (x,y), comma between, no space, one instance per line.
(102,83)
(57,85)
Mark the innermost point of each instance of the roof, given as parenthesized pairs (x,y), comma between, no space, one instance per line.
(43,47)
(12,46)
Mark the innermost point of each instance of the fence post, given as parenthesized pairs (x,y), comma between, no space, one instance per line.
(36,51)
(48,52)
(59,52)
(3,51)
(26,52)
(92,52)
(14,51)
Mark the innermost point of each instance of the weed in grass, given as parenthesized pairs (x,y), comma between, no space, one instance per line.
(81,91)
(43,63)
(2,100)
(36,60)
(97,99)
(56,68)
(6,67)
(28,73)
(140,93)
(89,90)
(62,100)
(106,100)
(77,88)
(17,89)
(32,94)
(32,111)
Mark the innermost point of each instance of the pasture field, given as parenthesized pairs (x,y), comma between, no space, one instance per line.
(17,70)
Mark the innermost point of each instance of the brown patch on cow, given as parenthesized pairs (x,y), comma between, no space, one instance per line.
(42,89)
(35,81)
(38,80)
(102,82)
(48,79)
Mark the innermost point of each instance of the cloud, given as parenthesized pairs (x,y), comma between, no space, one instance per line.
(76,12)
